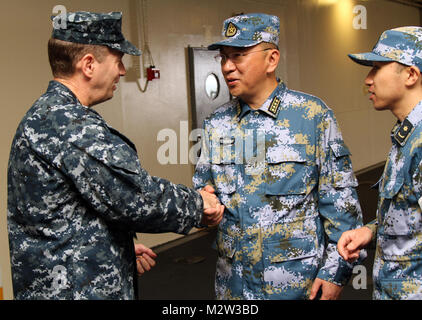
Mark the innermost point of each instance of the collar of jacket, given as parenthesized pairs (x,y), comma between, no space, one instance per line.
(59,88)
(403,130)
(270,107)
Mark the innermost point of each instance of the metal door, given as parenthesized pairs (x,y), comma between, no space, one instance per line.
(208,88)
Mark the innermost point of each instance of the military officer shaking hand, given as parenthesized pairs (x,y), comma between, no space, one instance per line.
(277,161)
(76,190)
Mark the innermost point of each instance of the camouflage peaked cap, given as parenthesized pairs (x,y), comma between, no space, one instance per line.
(248,30)
(93,28)
(402,45)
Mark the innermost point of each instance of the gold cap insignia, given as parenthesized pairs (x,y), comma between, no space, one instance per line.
(231,30)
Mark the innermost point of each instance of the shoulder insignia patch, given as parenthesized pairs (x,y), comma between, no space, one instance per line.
(274,106)
(404,132)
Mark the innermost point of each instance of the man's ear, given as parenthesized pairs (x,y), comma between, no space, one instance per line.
(413,75)
(273,59)
(87,65)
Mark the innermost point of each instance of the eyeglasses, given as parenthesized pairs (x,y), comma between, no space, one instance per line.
(235,57)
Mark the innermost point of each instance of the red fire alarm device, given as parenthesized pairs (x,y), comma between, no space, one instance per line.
(153,73)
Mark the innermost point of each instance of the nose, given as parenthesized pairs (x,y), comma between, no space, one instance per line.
(122,69)
(369,80)
(227,66)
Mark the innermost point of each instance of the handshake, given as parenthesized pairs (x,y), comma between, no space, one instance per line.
(213,209)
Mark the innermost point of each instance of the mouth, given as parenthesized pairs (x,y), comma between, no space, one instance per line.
(231,81)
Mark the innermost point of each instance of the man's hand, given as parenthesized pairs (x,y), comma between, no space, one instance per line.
(144,258)
(330,291)
(213,209)
(352,241)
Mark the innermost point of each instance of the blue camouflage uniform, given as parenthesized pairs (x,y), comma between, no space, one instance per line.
(398,227)
(76,196)
(285,176)
(397,268)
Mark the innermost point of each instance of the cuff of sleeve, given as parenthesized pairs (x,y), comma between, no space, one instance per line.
(341,277)
(373,226)
(334,268)
(199,212)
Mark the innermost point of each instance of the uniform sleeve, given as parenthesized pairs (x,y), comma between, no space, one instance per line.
(338,201)
(373,225)
(106,172)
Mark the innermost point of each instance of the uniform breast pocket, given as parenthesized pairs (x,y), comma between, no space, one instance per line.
(401,227)
(288,170)
(402,214)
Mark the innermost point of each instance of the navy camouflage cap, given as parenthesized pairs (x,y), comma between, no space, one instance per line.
(93,28)
(248,30)
(403,45)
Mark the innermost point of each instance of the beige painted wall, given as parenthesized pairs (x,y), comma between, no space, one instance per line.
(314,42)
(324,39)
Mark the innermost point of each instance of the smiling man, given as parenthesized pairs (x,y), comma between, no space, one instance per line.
(76,190)
(277,161)
(395,83)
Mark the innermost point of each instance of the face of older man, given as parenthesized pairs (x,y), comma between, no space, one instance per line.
(107,75)
(244,69)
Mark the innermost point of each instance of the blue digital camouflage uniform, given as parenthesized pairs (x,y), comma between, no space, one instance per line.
(77,192)
(285,176)
(397,268)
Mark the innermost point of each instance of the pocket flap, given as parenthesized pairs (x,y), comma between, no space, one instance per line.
(290,249)
(286,153)
(112,152)
(391,188)
(339,149)
(293,186)
(400,247)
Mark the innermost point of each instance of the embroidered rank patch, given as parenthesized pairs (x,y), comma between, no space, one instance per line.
(404,132)
(274,106)
(231,30)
